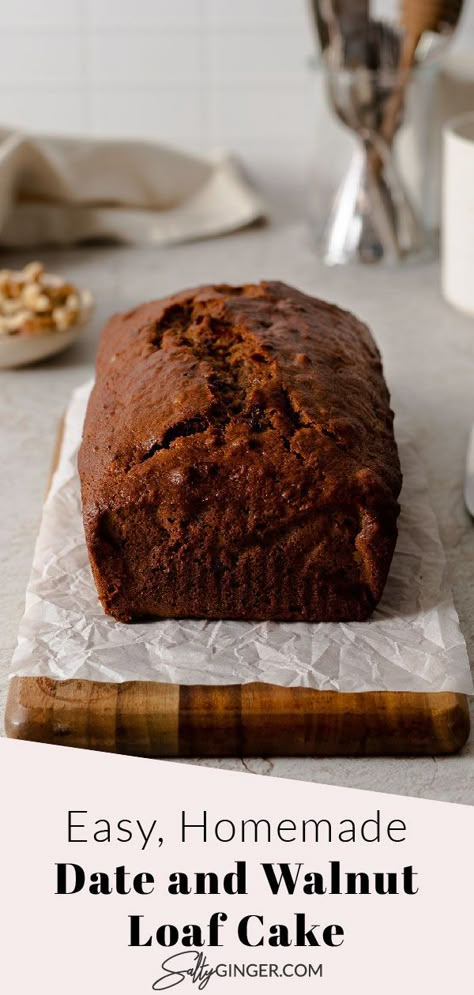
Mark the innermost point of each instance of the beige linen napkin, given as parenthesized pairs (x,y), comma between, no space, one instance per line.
(62,190)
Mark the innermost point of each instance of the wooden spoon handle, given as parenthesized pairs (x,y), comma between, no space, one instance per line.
(394,104)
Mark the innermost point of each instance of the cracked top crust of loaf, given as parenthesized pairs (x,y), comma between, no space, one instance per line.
(238,460)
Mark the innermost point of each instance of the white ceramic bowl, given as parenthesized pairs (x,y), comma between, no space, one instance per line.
(23,350)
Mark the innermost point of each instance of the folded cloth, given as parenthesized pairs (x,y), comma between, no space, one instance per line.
(62,190)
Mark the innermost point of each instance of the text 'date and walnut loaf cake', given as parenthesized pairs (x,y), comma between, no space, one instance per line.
(238,460)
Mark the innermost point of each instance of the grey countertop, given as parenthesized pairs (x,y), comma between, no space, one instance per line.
(428,352)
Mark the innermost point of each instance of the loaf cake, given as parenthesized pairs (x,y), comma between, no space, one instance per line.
(238,460)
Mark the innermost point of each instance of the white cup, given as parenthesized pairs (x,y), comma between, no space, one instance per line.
(457,224)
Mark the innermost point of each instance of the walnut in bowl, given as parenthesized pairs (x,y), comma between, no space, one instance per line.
(40,314)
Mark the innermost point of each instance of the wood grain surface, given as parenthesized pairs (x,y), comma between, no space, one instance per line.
(164,720)
(152,719)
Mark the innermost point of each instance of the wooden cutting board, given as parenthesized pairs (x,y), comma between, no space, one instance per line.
(164,720)
(149,719)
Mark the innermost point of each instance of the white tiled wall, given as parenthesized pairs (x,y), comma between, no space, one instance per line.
(170,69)
(199,73)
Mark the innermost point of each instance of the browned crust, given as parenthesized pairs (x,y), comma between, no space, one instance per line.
(238,460)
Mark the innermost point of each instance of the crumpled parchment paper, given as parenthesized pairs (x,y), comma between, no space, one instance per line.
(412,642)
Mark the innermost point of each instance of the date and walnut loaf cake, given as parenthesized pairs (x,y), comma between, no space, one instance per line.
(238,460)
